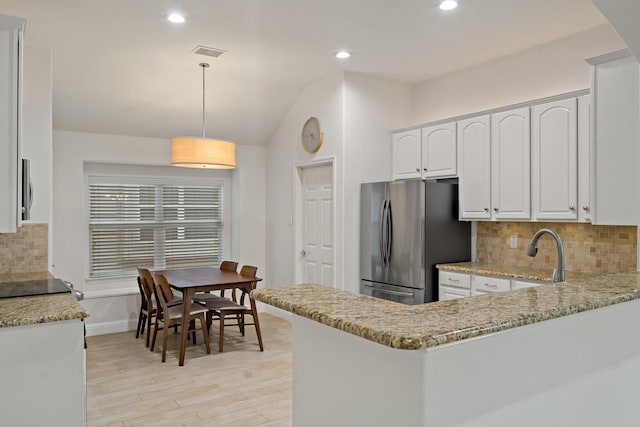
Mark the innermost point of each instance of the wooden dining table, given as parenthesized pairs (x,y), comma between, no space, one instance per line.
(204,279)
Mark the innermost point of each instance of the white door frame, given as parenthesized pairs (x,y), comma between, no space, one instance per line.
(297,211)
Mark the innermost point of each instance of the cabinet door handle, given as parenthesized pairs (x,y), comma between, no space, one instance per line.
(585,208)
(495,209)
(486,209)
(572,208)
(425,169)
(417,169)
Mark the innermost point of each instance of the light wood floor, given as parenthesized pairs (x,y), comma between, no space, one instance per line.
(127,385)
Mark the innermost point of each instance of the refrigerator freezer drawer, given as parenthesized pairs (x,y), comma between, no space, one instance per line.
(392,293)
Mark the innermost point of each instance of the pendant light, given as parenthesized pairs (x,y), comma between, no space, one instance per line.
(193,152)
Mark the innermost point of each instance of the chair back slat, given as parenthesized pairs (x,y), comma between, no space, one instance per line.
(162,284)
(147,281)
(144,300)
(160,300)
(248,270)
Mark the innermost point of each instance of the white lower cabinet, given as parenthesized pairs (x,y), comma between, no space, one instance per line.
(43,374)
(453,285)
(486,285)
(459,285)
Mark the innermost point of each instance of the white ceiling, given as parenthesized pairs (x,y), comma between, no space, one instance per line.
(119,67)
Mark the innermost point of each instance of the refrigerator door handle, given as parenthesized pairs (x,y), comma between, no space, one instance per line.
(383,211)
(389,233)
(388,292)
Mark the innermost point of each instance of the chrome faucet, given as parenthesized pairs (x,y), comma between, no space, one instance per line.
(532,250)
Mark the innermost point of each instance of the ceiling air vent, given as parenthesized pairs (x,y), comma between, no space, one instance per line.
(208,51)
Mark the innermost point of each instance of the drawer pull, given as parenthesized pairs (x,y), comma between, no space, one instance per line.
(491,286)
(453,280)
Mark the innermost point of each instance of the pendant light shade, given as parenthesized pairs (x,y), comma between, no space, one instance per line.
(193,152)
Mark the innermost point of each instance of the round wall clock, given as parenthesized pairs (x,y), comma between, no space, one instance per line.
(312,135)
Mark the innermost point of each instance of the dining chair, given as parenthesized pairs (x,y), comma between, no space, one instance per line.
(206,296)
(171,315)
(148,306)
(144,315)
(225,307)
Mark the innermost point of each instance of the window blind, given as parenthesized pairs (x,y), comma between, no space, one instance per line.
(159,225)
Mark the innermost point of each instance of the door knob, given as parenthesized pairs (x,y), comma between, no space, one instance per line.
(417,169)
(303,252)
(495,209)
(572,208)
(486,209)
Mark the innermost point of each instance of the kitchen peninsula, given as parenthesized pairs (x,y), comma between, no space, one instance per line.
(554,355)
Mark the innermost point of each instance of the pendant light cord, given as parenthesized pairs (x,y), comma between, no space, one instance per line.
(203,65)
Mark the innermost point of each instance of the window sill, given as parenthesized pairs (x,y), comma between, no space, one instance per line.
(109,293)
(105,287)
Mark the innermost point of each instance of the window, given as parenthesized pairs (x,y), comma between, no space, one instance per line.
(153,222)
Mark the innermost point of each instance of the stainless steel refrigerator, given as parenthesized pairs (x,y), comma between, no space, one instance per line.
(406,228)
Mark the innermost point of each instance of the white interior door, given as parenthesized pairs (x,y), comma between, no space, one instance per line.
(317,225)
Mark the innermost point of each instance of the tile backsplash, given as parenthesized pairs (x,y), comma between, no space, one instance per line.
(25,251)
(588,248)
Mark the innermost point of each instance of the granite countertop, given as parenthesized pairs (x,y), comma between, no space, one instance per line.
(508,271)
(427,325)
(37,309)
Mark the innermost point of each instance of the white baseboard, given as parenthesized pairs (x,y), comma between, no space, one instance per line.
(111,327)
(126,325)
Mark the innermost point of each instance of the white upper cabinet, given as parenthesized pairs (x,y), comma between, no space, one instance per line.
(407,154)
(584,162)
(439,151)
(474,157)
(615,139)
(11,30)
(510,164)
(530,163)
(554,160)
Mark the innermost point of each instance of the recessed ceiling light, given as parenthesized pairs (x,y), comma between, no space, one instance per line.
(176,18)
(448,4)
(343,54)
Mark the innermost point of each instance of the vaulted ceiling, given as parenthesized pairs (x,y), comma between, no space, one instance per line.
(120,67)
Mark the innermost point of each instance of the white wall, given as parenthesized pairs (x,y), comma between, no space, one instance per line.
(36,129)
(550,69)
(373,107)
(324,100)
(114,306)
(356,113)
(249,208)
